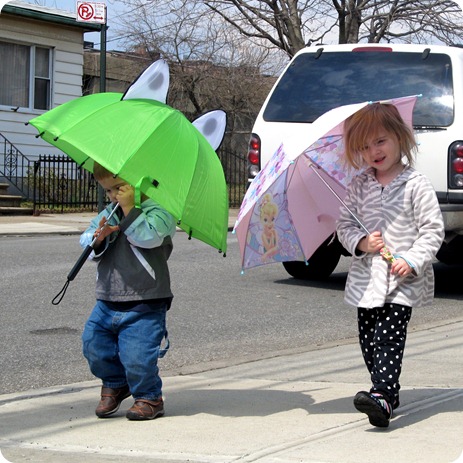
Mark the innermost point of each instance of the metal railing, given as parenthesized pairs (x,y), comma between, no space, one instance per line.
(55,183)
(234,167)
(59,184)
(15,168)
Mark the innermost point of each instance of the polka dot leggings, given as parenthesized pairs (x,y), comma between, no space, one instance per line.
(382,335)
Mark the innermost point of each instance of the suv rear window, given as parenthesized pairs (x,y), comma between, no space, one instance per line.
(312,86)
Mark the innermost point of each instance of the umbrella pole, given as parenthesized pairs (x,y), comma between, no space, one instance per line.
(80,262)
(314,168)
(385,252)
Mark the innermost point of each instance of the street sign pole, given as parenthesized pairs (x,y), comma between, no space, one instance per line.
(101,194)
(103,56)
(95,12)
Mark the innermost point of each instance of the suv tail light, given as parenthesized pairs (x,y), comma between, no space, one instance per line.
(456,165)
(253,156)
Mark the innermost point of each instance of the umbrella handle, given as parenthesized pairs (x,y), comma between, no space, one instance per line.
(72,274)
(80,262)
(87,251)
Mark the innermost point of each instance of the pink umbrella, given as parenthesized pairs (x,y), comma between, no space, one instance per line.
(292,205)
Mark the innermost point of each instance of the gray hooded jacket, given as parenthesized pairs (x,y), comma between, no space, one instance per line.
(407,214)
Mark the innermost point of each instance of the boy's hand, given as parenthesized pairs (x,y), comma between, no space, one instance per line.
(401,268)
(103,231)
(126,198)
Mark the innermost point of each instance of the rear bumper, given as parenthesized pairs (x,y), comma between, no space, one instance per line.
(453,218)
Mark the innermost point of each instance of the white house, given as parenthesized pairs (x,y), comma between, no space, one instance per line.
(41,66)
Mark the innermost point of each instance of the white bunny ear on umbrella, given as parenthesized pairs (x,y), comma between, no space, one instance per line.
(152,83)
(212,126)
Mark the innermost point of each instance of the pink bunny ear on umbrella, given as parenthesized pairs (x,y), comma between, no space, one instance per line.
(152,83)
(212,126)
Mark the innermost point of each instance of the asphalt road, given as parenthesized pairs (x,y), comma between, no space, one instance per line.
(219,316)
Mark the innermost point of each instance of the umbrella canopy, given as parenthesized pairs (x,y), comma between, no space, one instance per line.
(292,205)
(152,147)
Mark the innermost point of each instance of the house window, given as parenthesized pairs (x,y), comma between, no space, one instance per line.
(25,76)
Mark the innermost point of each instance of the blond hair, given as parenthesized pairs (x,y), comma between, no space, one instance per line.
(367,123)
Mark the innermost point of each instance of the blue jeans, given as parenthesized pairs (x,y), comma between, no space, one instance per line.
(123,348)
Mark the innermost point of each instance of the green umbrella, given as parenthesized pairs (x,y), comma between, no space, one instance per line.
(152,147)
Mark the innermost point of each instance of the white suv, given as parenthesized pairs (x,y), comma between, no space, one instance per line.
(323,77)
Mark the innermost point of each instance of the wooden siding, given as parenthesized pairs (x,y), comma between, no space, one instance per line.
(67,45)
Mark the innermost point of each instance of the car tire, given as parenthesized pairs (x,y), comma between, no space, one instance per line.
(321,265)
(451,253)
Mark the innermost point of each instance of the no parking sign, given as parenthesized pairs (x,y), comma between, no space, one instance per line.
(91,12)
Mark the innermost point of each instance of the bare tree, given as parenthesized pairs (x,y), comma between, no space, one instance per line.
(291,24)
(201,49)
(219,50)
(399,20)
(184,31)
(212,66)
(284,24)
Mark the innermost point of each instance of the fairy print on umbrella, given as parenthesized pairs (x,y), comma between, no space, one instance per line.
(271,236)
(274,167)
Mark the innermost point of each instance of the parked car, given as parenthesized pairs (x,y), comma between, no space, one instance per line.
(321,78)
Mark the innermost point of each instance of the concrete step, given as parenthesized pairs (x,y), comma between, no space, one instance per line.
(10,200)
(11,204)
(10,210)
(4,189)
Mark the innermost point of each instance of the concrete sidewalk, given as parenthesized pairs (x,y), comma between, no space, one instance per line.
(291,408)
(73,223)
(69,223)
(296,407)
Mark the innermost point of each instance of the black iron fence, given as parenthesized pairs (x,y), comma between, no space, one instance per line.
(55,183)
(59,184)
(234,166)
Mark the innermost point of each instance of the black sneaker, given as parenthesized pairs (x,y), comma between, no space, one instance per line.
(377,408)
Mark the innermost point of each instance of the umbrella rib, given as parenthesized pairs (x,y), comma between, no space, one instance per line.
(314,168)
(298,239)
(290,216)
(292,173)
(385,252)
